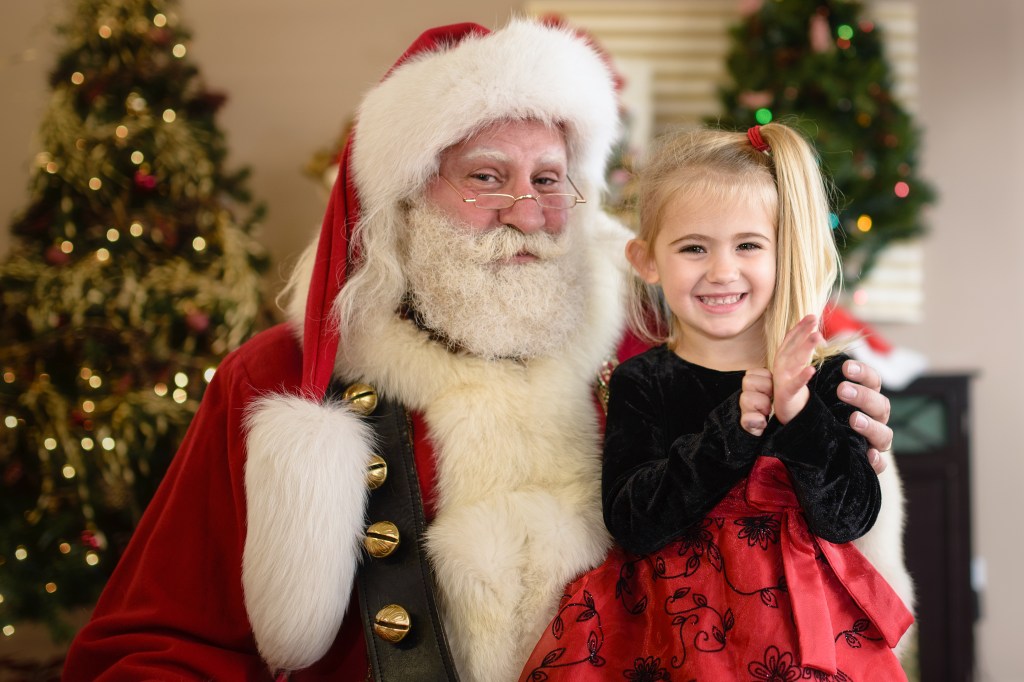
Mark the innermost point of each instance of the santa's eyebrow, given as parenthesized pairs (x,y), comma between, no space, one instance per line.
(498,156)
(486,154)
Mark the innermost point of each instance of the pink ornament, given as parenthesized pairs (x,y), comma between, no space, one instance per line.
(819,34)
(747,7)
(758,99)
(197,321)
(620,176)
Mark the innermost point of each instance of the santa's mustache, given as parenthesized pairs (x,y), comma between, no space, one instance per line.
(506,242)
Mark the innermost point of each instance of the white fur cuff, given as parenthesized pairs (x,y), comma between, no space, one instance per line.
(306,496)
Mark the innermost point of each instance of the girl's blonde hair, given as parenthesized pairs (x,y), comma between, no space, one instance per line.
(718,166)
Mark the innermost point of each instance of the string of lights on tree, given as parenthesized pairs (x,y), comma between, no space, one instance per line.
(133,270)
(820,66)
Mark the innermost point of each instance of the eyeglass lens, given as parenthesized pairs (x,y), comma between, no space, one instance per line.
(502,201)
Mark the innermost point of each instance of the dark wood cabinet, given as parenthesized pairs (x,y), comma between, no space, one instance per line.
(931,425)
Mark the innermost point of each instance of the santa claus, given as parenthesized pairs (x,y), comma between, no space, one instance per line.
(399,481)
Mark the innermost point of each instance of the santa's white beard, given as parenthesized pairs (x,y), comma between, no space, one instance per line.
(463,286)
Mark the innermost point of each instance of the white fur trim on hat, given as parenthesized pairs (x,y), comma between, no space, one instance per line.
(305,498)
(526,70)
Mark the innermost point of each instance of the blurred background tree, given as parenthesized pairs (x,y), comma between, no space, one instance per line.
(133,271)
(819,65)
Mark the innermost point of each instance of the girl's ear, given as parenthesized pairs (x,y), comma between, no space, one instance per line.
(638,254)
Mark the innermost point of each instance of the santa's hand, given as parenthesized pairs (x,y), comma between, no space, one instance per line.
(863,392)
(793,368)
(756,401)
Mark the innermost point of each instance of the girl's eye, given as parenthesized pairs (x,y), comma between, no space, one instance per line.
(692,248)
(749,246)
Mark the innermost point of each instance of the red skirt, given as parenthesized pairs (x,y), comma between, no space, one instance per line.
(747,594)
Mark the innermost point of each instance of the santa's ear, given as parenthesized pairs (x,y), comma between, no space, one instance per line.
(639,255)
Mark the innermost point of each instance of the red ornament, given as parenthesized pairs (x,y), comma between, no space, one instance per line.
(90,540)
(54,256)
(124,384)
(145,181)
(160,36)
(13,473)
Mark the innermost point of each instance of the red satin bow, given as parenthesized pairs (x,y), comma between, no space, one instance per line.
(768,488)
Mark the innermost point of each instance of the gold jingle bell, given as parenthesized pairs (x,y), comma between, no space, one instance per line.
(362,398)
(392,623)
(381,539)
(376,472)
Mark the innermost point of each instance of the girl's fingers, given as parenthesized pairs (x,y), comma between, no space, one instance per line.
(759,380)
(754,426)
(797,349)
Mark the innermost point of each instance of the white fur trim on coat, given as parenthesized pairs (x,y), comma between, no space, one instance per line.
(518,456)
(305,482)
(883,544)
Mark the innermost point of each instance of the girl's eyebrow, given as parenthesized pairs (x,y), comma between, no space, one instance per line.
(690,238)
(697,237)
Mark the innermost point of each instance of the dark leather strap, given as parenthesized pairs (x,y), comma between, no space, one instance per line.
(404,577)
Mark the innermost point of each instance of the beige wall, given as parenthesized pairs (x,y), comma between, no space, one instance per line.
(294,71)
(972,94)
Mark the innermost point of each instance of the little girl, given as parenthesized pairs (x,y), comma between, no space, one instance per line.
(733,558)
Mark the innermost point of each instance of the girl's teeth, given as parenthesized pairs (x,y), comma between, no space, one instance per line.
(720,300)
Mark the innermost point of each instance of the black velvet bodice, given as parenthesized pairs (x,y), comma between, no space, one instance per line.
(674,448)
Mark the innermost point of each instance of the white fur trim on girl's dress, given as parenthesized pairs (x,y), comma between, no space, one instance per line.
(305,481)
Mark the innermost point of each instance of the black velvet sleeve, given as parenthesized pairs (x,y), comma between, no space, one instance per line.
(827,461)
(668,461)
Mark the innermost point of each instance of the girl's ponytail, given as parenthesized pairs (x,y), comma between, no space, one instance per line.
(808,267)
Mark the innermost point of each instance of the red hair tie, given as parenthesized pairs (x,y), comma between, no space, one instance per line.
(754,135)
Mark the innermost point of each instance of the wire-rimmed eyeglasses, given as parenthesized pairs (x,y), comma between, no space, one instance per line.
(498,202)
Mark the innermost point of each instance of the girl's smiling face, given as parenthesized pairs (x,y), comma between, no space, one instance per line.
(715,262)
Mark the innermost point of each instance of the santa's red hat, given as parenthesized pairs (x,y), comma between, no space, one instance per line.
(452,82)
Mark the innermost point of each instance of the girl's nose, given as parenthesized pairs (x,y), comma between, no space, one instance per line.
(722,270)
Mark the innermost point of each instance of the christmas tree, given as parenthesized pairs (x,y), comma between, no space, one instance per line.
(133,270)
(819,65)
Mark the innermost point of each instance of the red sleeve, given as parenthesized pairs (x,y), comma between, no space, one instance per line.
(173,608)
(631,345)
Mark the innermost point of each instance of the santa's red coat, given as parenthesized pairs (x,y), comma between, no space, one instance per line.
(173,608)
